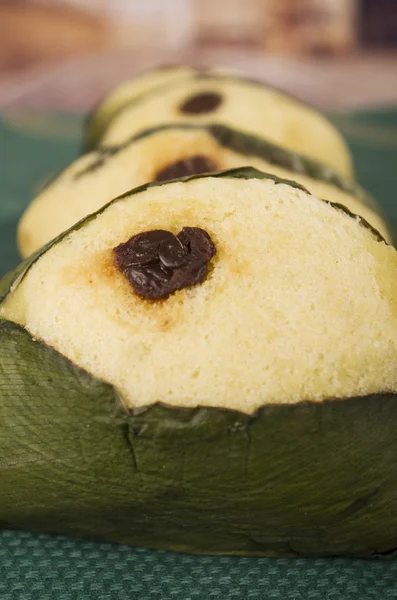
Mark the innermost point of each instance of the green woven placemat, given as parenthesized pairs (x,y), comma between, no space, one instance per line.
(34,567)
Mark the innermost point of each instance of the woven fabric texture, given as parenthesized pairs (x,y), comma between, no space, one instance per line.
(38,567)
(34,567)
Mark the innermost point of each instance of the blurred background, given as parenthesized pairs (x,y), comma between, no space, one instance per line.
(64,54)
(59,57)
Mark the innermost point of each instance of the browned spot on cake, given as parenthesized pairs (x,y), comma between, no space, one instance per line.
(166,324)
(99,266)
(99,273)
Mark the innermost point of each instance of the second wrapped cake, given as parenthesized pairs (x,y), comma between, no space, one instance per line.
(175,151)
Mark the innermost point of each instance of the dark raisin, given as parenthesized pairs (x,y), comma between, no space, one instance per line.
(172,253)
(157,263)
(194,165)
(204,102)
(198,241)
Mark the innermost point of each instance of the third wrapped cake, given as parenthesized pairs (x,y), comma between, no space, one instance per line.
(236,101)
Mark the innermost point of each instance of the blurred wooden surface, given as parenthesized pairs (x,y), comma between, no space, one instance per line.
(57,56)
(32,34)
(76,84)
